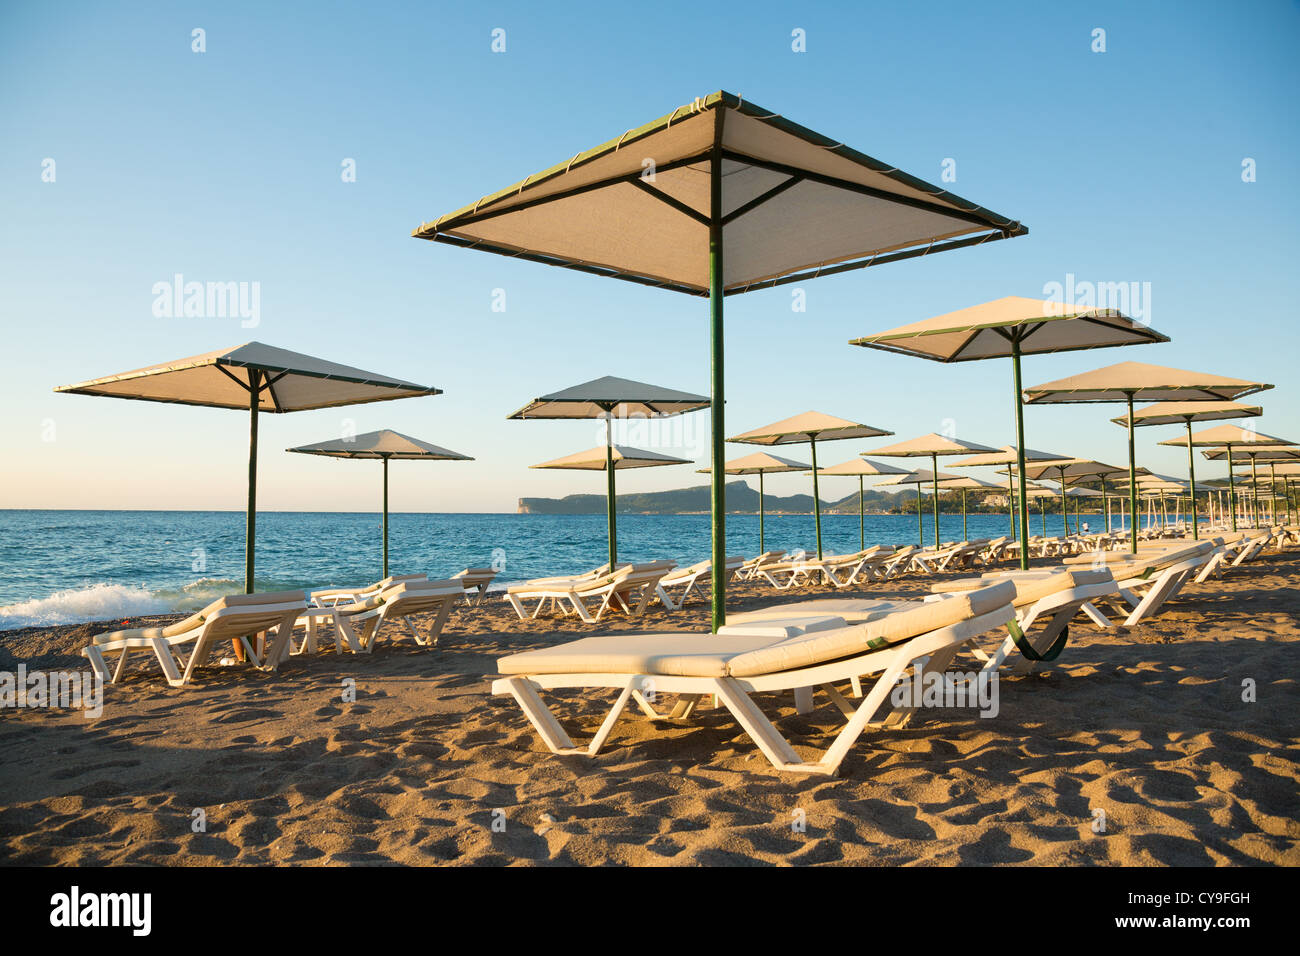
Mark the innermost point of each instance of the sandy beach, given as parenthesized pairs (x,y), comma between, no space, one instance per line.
(1145,724)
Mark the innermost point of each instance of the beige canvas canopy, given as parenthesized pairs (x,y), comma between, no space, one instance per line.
(793,202)
(259,378)
(760,463)
(612,397)
(596,459)
(861,468)
(609,398)
(1067,470)
(718,198)
(382,445)
(1134,381)
(1009,328)
(987,331)
(932,446)
(809,427)
(286,381)
(1184,413)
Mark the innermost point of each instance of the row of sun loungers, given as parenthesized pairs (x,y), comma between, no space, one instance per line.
(851,651)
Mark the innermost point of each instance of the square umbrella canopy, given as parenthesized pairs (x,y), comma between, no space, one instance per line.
(259,378)
(1132,381)
(1006,455)
(717,198)
(383,445)
(1184,413)
(809,427)
(610,458)
(862,468)
(609,398)
(760,463)
(1011,327)
(932,446)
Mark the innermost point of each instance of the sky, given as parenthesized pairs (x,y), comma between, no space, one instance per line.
(129,158)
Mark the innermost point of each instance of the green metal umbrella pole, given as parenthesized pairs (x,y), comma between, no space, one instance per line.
(384,445)
(717,380)
(385,460)
(862,517)
(250,520)
(1022,503)
(611,498)
(817,497)
(762,547)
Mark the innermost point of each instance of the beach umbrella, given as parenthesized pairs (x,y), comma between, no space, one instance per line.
(611,398)
(932,446)
(1220,442)
(918,478)
(718,198)
(1068,470)
(1009,328)
(257,378)
(809,427)
(862,468)
(1184,413)
(760,463)
(1138,381)
(1006,455)
(384,445)
(965,484)
(611,458)
(1264,448)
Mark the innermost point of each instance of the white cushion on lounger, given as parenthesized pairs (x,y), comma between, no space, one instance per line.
(1032,586)
(853,610)
(196,619)
(720,655)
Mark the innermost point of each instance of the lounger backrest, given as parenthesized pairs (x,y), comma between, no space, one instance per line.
(821,647)
(250,602)
(412,597)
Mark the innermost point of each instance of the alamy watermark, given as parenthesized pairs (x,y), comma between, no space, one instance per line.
(1133,298)
(70,690)
(178,299)
(948,689)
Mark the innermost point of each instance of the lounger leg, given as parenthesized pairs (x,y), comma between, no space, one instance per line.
(168,663)
(535,709)
(1094,614)
(685,706)
(759,728)
(856,683)
(517,605)
(584,613)
(668,601)
(803,700)
(439,622)
(121,665)
(96,658)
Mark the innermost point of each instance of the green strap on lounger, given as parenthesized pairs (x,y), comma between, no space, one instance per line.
(1027,649)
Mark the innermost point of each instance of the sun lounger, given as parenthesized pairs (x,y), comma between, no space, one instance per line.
(1054,596)
(748,569)
(475,581)
(237,617)
(359,625)
(687,578)
(753,659)
(628,589)
(325,597)
(1150,578)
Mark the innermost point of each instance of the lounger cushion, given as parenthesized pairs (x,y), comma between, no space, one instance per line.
(853,610)
(196,620)
(907,622)
(1032,586)
(743,655)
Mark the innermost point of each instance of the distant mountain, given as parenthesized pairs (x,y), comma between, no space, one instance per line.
(740,498)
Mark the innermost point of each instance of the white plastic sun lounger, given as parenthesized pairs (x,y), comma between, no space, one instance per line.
(628,589)
(475,581)
(752,659)
(237,617)
(687,578)
(358,626)
(748,569)
(327,597)
(1151,577)
(1054,597)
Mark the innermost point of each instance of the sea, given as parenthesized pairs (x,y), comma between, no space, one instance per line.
(68,567)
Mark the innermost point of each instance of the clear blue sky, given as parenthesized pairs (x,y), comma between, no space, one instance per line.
(225,166)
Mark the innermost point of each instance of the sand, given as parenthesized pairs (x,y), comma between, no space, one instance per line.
(1146,724)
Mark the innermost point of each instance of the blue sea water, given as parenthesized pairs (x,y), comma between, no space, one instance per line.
(61,567)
